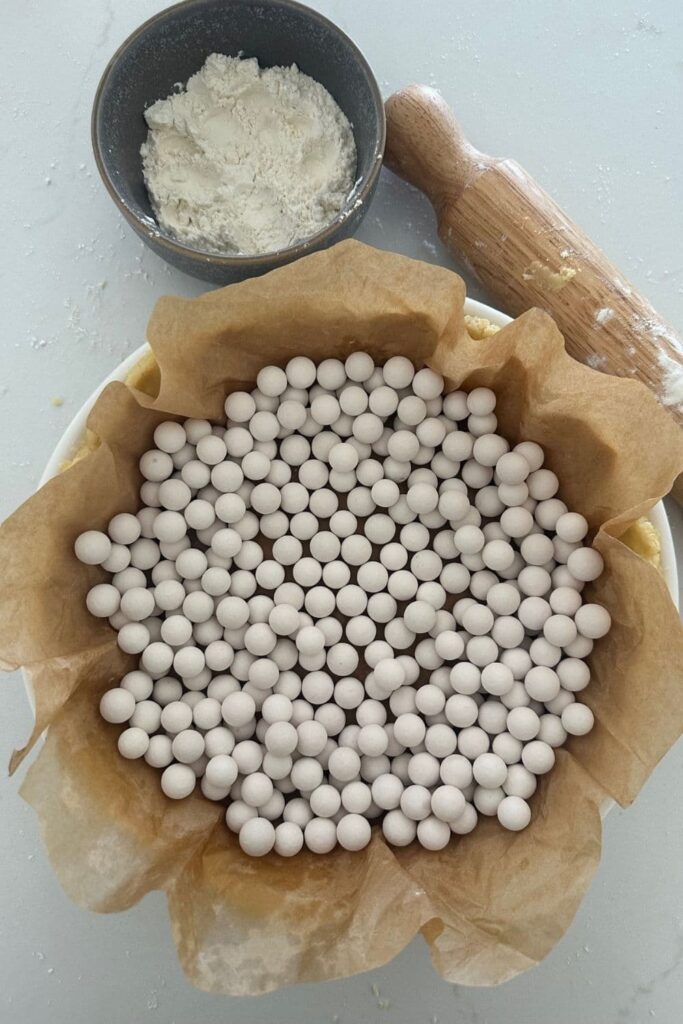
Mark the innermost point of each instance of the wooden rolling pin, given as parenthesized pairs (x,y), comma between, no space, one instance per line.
(526,251)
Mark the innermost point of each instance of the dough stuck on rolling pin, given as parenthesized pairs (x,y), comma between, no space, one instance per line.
(546,279)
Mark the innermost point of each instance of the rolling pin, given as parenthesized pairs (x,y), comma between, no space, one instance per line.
(526,251)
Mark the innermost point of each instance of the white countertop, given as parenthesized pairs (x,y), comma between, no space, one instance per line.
(587,96)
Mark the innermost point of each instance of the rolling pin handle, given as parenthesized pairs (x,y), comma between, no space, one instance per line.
(426,145)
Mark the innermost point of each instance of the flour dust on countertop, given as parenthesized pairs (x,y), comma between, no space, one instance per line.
(247,159)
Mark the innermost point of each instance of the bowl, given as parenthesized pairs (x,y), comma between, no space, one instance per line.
(171,47)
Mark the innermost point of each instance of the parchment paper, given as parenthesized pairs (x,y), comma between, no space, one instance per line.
(493,903)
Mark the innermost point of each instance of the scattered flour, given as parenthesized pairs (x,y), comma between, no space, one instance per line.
(247,160)
(672,382)
(604,315)
(669,357)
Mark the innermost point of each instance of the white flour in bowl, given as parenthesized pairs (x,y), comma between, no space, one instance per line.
(247,160)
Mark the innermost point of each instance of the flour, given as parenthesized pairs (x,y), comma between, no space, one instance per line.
(672,382)
(603,316)
(247,160)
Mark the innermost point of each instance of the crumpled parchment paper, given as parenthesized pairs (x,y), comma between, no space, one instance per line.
(493,903)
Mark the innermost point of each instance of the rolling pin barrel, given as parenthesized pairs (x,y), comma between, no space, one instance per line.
(526,251)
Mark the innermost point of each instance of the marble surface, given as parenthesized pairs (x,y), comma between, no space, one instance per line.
(586,96)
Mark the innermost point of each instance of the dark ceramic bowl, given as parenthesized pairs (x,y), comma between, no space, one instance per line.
(171,47)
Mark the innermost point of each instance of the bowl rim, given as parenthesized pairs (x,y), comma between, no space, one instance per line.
(71,438)
(360,193)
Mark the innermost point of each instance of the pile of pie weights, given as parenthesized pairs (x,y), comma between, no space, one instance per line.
(354,602)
